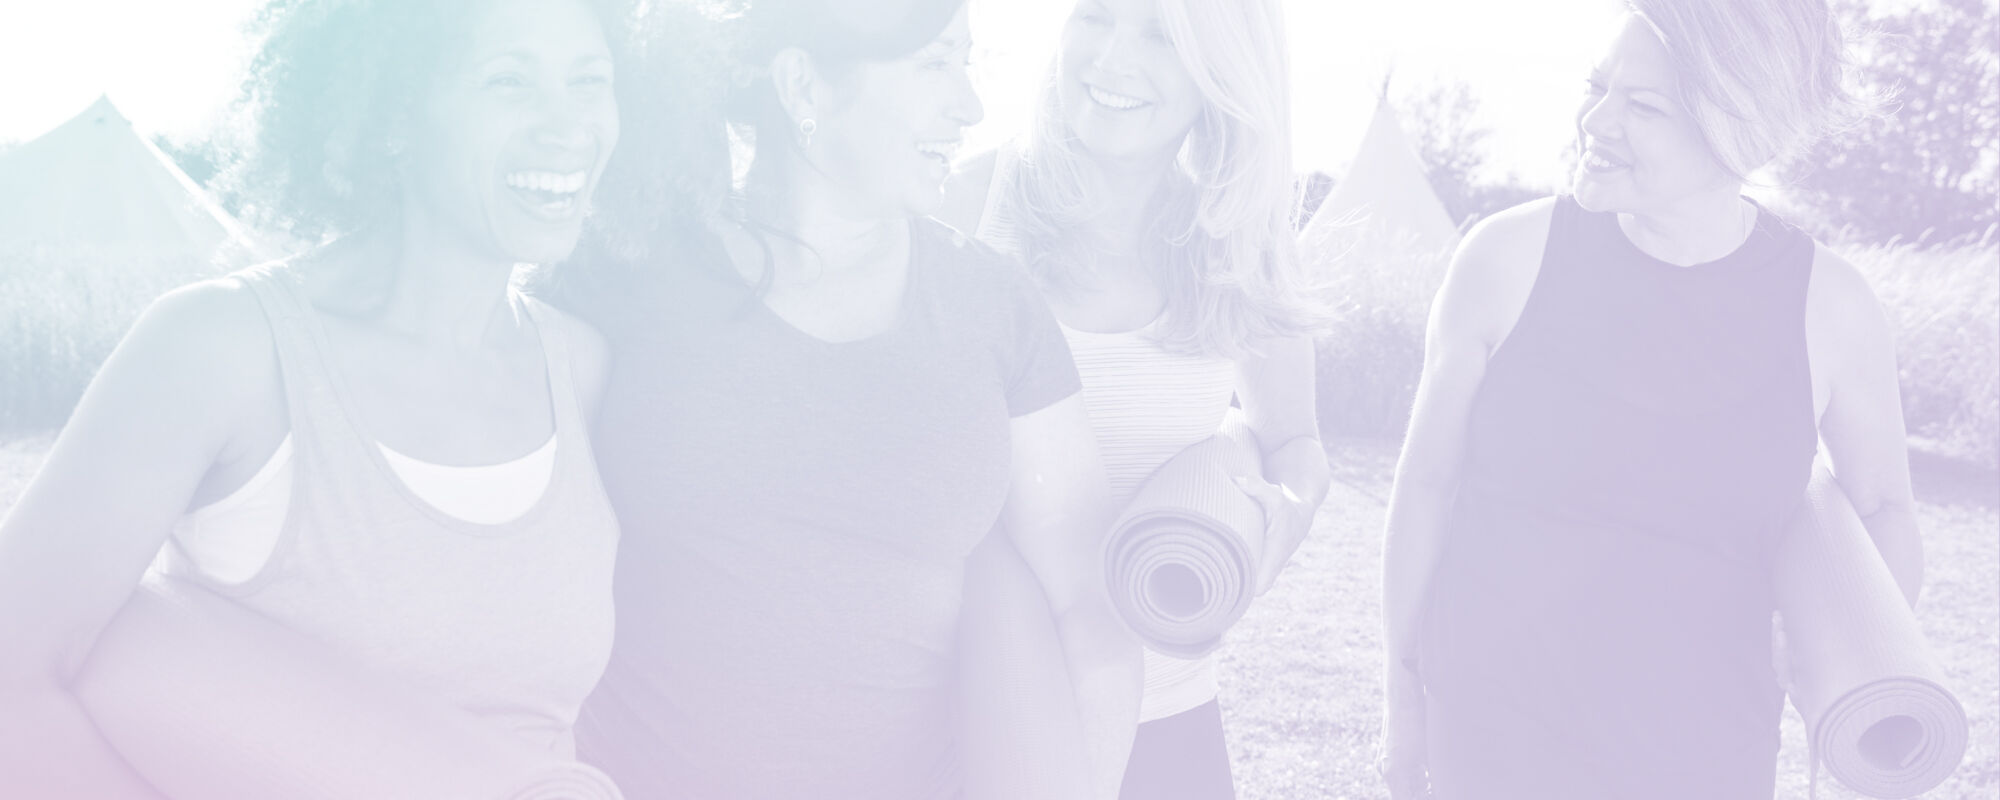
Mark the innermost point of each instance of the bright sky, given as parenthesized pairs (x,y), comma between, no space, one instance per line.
(170,65)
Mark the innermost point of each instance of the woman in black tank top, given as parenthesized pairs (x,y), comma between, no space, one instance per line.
(1623,396)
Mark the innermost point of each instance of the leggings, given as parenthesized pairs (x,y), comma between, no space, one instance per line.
(1181,757)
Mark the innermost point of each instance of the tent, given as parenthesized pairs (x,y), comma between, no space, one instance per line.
(1384,198)
(96,181)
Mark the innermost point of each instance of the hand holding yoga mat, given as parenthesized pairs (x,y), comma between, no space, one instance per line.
(1181,562)
(208,700)
(1877,714)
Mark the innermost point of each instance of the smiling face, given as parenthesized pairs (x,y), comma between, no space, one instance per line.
(1120,84)
(514,131)
(1641,149)
(893,127)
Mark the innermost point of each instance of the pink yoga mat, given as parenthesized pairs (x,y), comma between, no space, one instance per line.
(1877,713)
(210,701)
(1181,562)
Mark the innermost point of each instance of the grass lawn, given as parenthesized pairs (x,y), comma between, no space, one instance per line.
(1299,674)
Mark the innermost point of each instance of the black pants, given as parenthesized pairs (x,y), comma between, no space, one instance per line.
(1181,757)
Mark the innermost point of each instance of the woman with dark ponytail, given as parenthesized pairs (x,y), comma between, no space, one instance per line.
(820,408)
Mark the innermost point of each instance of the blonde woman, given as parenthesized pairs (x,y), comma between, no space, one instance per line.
(1151,202)
(1623,392)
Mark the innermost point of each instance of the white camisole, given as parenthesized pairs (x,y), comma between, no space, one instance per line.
(1146,404)
(232,537)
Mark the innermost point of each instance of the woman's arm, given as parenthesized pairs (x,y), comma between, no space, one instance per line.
(1276,389)
(71,550)
(1482,296)
(1021,730)
(1853,357)
(1058,513)
(209,699)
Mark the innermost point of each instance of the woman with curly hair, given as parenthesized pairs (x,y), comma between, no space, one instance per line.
(1152,203)
(366,471)
(1625,389)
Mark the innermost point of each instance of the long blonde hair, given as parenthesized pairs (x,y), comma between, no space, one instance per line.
(1222,222)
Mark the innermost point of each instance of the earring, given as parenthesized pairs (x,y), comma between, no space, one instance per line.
(806,128)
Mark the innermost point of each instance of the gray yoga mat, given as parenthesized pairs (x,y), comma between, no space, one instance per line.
(1181,561)
(1877,713)
(201,711)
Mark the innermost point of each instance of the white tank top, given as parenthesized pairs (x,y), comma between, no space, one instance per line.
(511,622)
(1146,404)
(232,537)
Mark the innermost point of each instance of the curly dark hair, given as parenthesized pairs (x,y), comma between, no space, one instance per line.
(672,162)
(330,82)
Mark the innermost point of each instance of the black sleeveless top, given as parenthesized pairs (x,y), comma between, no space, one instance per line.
(1603,602)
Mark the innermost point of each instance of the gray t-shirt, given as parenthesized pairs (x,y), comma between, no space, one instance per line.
(797,519)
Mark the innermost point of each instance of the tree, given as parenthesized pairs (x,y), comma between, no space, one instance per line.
(1442,122)
(195,156)
(1926,166)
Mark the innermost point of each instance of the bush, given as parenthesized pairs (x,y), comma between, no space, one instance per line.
(1928,164)
(62,310)
(1371,355)
(1943,305)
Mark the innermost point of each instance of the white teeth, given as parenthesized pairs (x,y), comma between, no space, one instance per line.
(550,182)
(1117,101)
(945,151)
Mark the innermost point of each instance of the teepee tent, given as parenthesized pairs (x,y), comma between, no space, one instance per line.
(1384,197)
(94,181)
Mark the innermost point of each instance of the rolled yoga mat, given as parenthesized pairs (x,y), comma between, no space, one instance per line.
(1181,562)
(1876,711)
(206,699)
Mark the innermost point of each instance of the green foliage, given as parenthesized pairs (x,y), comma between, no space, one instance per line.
(1371,356)
(1943,305)
(61,312)
(1929,166)
(199,157)
(1944,309)
(1442,123)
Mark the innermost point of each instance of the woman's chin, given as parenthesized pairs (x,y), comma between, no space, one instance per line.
(1592,194)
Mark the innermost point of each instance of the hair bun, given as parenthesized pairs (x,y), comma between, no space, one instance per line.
(862,30)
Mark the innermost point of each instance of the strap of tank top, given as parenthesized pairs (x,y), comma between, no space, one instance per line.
(301,367)
(562,379)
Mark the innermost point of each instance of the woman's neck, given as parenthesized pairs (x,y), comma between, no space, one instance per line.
(439,290)
(836,231)
(1695,230)
(1128,186)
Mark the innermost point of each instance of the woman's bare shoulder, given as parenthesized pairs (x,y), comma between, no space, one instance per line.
(1494,270)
